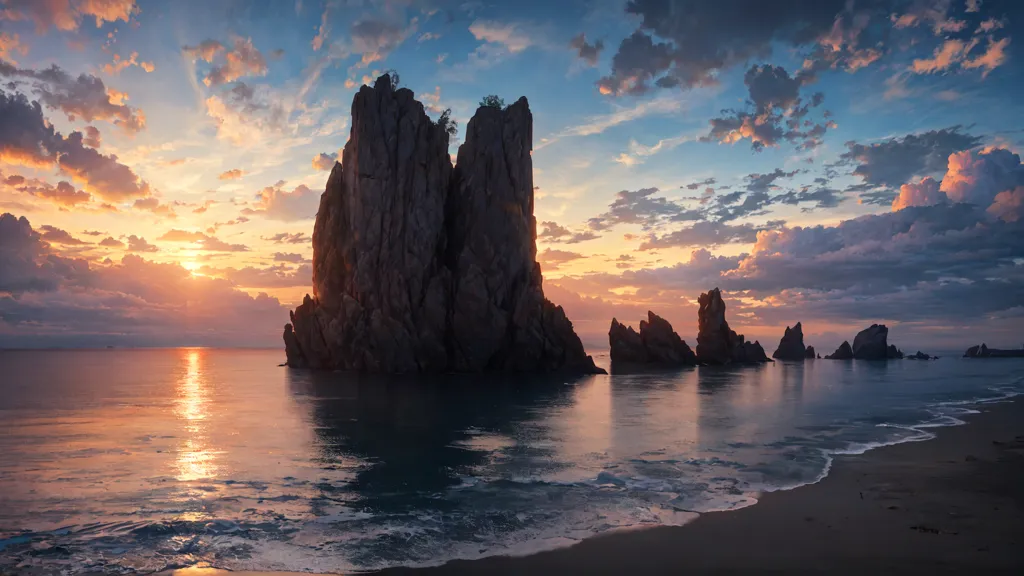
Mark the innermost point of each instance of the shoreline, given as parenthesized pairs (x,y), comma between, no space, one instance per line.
(950,502)
(944,503)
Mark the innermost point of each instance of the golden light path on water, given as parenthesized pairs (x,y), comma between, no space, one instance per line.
(196,459)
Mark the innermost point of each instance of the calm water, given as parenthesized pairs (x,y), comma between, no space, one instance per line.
(121,461)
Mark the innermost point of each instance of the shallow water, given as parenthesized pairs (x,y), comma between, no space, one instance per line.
(122,461)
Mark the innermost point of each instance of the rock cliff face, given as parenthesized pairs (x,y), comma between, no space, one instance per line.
(655,344)
(716,343)
(844,352)
(421,268)
(791,347)
(809,353)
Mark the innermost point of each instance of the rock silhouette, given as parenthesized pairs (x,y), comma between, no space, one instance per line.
(844,352)
(419,267)
(716,343)
(791,347)
(984,351)
(872,344)
(809,353)
(656,344)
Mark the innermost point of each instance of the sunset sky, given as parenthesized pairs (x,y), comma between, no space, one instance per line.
(836,162)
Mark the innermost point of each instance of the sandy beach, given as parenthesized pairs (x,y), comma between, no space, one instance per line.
(952,504)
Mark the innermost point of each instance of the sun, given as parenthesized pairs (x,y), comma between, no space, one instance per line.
(192,266)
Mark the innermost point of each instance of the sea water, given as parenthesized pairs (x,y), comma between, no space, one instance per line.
(133,461)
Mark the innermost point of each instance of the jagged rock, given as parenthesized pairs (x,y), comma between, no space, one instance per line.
(809,353)
(716,343)
(893,353)
(421,268)
(791,347)
(871,344)
(656,343)
(626,344)
(844,352)
(984,351)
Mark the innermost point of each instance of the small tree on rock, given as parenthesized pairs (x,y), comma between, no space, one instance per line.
(449,124)
(492,101)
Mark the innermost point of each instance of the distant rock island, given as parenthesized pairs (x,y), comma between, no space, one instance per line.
(871,344)
(984,351)
(419,267)
(791,347)
(716,343)
(656,344)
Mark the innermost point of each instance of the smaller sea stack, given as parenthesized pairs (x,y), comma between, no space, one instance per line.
(657,344)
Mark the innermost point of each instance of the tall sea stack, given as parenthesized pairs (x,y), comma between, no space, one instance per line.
(716,342)
(421,268)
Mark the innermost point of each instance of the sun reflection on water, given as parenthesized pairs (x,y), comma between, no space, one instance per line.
(196,459)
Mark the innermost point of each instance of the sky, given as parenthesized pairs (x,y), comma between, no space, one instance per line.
(834,162)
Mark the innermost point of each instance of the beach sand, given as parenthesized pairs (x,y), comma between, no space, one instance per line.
(952,504)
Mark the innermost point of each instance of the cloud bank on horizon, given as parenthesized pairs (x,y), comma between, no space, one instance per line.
(835,162)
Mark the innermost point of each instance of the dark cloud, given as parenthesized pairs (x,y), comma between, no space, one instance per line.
(27,138)
(84,97)
(588,53)
(57,236)
(92,137)
(765,182)
(821,197)
(24,257)
(644,208)
(110,242)
(776,113)
(554,232)
(704,234)
(63,194)
(702,183)
(700,39)
(896,161)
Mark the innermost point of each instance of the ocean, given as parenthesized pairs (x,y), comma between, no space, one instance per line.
(134,461)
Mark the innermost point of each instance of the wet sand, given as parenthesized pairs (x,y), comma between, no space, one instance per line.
(954,504)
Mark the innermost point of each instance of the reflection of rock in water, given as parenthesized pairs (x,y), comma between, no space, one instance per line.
(415,435)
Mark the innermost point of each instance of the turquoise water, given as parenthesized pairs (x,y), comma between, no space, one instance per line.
(125,461)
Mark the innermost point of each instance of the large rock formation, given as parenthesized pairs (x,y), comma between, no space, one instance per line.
(791,347)
(984,351)
(716,343)
(809,353)
(655,344)
(421,268)
(844,352)
(871,344)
